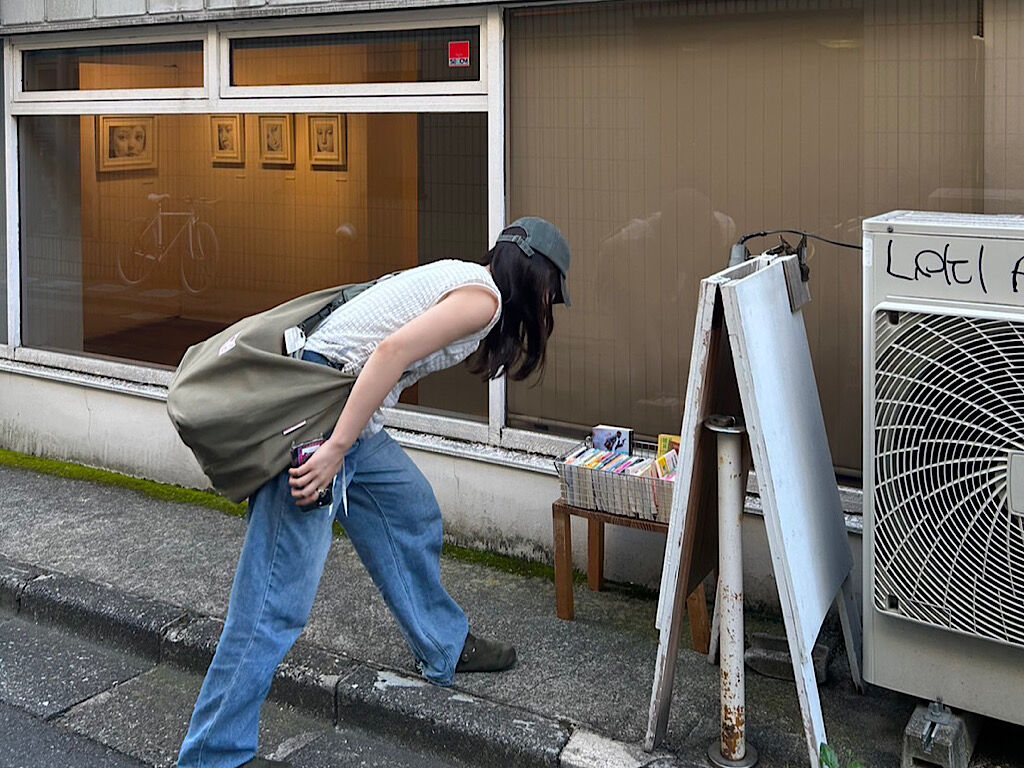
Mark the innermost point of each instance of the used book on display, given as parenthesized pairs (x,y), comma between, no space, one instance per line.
(616,439)
(667,442)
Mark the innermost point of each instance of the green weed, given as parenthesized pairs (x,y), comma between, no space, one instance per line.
(829,759)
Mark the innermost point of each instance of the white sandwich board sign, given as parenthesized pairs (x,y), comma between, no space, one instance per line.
(757,304)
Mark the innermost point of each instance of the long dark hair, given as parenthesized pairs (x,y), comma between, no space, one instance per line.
(516,344)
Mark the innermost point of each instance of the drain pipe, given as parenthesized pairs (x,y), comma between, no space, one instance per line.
(732,750)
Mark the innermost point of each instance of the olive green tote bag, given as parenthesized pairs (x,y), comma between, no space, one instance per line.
(239,402)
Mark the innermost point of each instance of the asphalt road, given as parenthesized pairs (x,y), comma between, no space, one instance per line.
(68,702)
(27,741)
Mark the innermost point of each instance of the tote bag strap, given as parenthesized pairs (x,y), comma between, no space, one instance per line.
(349,292)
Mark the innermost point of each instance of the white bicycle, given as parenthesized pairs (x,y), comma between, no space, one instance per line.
(152,244)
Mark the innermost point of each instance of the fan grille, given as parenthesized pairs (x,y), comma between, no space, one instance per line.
(949,411)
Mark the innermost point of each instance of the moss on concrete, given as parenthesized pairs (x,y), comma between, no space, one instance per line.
(156,490)
(504,563)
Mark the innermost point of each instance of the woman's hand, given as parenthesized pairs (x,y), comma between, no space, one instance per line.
(317,472)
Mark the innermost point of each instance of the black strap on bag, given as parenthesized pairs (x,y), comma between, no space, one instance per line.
(349,292)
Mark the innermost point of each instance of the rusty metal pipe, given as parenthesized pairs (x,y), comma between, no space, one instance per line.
(732,750)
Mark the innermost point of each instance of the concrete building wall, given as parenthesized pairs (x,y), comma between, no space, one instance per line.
(49,15)
(125,433)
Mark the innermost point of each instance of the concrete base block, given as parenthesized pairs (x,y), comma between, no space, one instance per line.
(769,655)
(937,737)
(587,749)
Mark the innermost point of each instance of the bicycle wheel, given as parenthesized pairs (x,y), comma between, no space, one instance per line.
(198,263)
(136,261)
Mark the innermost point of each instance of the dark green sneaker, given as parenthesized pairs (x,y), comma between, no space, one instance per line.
(480,655)
(262,762)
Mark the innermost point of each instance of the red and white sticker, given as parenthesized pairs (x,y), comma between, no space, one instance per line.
(458,53)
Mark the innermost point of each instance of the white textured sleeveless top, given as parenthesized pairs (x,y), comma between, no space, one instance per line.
(350,334)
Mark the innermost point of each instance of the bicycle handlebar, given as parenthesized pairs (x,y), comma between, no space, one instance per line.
(153,197)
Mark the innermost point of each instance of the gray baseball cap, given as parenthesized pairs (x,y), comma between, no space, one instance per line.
(544,238)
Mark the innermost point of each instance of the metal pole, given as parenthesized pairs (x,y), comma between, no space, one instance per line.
(732,750)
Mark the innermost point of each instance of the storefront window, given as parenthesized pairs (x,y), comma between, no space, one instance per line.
(3,290)
(407,56)
(3,248)
(115,67)
(655,134)
(144,234)
(3,277)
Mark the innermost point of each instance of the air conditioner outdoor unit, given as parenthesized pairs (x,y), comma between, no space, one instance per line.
(944,459)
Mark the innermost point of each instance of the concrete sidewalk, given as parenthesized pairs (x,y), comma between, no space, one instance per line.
(154,576)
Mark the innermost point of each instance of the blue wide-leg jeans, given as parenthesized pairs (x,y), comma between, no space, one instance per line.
(394,523)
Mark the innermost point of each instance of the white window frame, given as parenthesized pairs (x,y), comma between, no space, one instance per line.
(11,201)
(486,96)
(355,24)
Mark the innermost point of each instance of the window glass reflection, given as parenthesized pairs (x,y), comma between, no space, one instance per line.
(114,67)
(405,56)
(142,235)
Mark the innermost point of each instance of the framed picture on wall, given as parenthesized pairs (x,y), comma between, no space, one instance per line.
(126,143)
(328,140)
(227,138)
(277,139)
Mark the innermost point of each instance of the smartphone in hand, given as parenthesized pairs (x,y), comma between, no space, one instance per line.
(300,455)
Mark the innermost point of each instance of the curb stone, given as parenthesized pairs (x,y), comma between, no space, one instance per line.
(14,577)
(309,678)
(328,685)
(190,642)
(99,612)
(450,720)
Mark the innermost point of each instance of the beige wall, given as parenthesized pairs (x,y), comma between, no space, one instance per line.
(655,134)
(1004,106)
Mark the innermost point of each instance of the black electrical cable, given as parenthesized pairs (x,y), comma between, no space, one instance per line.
(752,235)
